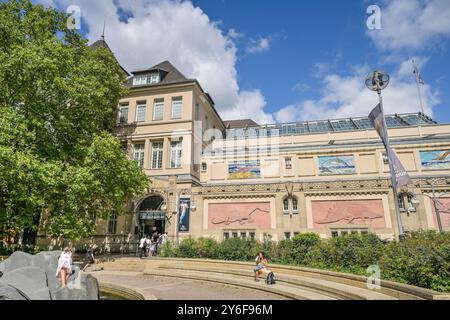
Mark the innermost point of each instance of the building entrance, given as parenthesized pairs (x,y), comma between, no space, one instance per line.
(151,217)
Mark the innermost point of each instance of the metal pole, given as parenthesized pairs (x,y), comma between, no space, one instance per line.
(436,208)
(401,232)
(418,87)
(178,219)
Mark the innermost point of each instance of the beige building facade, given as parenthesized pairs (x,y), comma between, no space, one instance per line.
(223,179)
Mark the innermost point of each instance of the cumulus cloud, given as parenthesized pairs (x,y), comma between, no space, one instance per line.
(412,24)
(347,96)
(142,33)
(260,45)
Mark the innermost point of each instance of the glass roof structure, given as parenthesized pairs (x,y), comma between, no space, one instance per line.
(333,125)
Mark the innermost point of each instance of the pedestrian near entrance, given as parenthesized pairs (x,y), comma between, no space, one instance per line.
(143,247)
(164,237)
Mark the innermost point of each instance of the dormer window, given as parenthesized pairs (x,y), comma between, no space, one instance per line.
(143,79)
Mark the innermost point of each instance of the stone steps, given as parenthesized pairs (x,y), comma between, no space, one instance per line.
(286,291)
(338,290)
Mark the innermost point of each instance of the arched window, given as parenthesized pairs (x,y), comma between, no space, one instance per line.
(286,205)
(294,205)
(290,205)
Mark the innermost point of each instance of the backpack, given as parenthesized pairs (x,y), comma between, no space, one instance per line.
(271,278)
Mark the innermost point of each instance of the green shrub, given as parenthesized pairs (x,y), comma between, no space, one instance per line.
(421,259)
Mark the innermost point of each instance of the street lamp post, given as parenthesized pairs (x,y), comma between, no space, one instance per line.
(377,81)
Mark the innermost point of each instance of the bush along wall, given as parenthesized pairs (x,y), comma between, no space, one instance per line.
(421,259)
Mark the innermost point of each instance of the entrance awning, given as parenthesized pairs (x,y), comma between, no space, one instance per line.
(152,215)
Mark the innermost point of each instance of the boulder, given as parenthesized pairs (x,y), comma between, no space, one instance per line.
(34,278)
(17,260)
(8,292)
(32,281)
(48,261)
(84,287)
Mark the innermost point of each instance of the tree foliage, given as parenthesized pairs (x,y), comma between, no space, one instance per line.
(58,97)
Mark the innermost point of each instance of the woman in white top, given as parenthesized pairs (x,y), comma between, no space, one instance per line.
(64,266)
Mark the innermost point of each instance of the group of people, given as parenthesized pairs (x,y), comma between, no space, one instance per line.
(148,246)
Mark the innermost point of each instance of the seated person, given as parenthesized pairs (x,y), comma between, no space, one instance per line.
(261,265)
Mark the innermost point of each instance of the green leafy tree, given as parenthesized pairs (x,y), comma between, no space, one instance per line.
(59,160)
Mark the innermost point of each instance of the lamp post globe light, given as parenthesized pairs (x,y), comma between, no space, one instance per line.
(377,81)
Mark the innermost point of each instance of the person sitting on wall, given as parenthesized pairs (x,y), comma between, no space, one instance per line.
(261,265)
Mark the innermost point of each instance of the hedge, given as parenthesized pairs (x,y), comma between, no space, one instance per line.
(421,259)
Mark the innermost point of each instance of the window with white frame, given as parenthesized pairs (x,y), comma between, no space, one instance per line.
(177,108)
(123,114)
(112,224)
(153,78)
(294,205)
(139,152)
(143,79)
(157,155)
(140,111)
(204,166)
(140,80)
(158,110)
(286,205)
(176,152)
(290,205)
(287,235)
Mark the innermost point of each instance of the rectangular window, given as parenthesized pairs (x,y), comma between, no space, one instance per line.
(158,110)
(175,154)
(140,80)
(295,205)
(123,115)
(153,78)
(243,235)
(344,233)
(251,235)
(235,234)
(401,202)
(139,154)
(288,163)
(287,235)
(140,111)
(112,224)
(204,167)
(296,233)
(226,235)
(157,155)
(177,108)
(334,234)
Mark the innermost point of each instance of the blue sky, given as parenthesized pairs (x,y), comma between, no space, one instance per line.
(285,60)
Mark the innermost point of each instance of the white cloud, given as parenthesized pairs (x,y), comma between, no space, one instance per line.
(177,31)
(412,24)
(258,46)
(347,96)
(250,105)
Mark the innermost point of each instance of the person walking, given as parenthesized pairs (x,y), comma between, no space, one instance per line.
(64,266)
(143,247)
(164,238)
